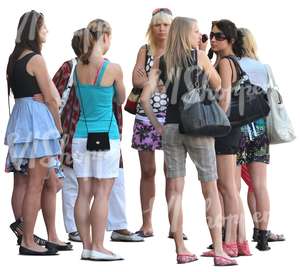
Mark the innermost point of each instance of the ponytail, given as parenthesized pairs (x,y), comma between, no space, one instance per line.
(238,45)
(83,43)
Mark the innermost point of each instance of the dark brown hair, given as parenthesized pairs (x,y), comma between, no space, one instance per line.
(232,34)
(29,26)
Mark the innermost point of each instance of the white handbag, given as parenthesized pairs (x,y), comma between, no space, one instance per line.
(279,126)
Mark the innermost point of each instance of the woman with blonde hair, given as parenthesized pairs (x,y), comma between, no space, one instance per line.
(96,142)
(182,56)
(146,139)
(254,155)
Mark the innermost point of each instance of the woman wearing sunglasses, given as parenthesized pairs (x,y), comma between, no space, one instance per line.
(175,67)
(146,139)
(226,41)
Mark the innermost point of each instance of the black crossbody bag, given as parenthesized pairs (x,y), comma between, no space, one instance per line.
(96,141)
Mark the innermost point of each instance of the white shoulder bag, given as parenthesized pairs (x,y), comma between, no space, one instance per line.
(279,126)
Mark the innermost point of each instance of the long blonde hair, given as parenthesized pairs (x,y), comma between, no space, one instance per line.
(178,48)
(159,18)
(249,44)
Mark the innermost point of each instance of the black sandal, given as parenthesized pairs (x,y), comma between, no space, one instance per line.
(17,227)
(271,236)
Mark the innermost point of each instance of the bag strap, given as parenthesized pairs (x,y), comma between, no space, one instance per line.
(240,72)
(272,82)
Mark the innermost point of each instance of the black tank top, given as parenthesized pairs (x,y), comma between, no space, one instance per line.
(185,83)
(24,84)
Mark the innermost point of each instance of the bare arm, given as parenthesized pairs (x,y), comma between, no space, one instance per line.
(226,77)
(119,84)
(40,71)
(139,75)
(149,88)
(214,79)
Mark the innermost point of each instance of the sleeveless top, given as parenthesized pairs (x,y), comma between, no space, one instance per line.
(258,75)
(23,84)
(96,112)
(158,100)
(181,85)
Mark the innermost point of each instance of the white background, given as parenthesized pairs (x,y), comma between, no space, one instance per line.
(275,26)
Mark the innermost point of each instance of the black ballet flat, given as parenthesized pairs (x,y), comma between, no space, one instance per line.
(68,246)
(30,252)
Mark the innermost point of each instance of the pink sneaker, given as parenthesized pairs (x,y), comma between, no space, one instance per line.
(222,261)
(243,249)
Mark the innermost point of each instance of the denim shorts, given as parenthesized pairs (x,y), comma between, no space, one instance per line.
(200,149)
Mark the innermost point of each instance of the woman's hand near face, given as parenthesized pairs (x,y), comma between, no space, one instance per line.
(203,45)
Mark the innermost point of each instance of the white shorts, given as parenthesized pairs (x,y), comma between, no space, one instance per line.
(95,164)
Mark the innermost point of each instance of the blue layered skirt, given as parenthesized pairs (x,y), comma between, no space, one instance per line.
(31,132)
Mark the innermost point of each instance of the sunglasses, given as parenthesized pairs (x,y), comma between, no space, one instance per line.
(165,10)
(219,36)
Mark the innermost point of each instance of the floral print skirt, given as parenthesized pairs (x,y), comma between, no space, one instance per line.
(145,137)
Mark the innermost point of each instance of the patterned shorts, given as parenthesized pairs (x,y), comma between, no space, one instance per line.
(145,137)
(254,149)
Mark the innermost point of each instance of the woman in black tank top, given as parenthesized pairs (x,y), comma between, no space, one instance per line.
(184,38)
(32,135)
(226,41)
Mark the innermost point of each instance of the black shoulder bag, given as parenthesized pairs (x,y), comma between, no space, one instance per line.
(200,113)
(249,102)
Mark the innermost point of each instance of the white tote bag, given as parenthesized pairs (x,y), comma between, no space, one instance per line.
(279,126)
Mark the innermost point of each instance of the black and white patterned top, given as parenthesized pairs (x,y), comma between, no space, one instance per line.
(158,100)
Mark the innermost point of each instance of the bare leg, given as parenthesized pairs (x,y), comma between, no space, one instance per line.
(213,215)
(82,211)
(38,169)
(252,207)
(226,184)
(147,188)
(175,190)
(99,212)
(258,172)
(17,198)
(241,226)
(168,194)
(49,206)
